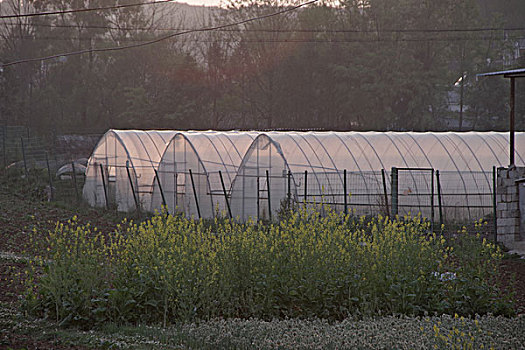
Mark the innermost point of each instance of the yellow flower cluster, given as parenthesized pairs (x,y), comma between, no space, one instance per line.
(461,336)
(308,264)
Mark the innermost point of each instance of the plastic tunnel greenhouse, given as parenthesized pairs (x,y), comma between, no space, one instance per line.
(191,168)
(120,171)
(364,172)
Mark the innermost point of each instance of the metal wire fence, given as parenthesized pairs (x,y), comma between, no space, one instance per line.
(449,198)
(446,197)
(359,192)
(54,174)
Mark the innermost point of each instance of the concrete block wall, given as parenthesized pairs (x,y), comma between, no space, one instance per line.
(507,204)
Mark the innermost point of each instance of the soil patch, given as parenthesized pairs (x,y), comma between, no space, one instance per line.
(513,276)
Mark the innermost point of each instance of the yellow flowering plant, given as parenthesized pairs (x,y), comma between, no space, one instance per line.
(170,268)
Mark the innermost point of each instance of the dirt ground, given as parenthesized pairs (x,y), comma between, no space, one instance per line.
(514,275)
(19,215)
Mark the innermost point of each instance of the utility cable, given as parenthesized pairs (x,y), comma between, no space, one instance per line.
(312,30)
(115,7)
(283,40)
(154,41)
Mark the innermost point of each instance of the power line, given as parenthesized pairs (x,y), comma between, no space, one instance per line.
(154,41)
(292,40)
(311,30)
(115,7)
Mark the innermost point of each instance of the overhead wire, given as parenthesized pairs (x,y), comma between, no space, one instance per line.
(269,30)
(154,41)
(103,8)
(291,40)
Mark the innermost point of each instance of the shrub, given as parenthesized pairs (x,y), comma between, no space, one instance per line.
(170,268)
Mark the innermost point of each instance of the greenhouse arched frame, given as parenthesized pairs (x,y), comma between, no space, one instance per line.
(254,174)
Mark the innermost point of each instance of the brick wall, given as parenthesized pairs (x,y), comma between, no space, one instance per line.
(508,206)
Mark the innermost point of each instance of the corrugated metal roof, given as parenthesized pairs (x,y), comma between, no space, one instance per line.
(509,73)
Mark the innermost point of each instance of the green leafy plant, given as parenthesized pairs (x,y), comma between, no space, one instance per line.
(330,266)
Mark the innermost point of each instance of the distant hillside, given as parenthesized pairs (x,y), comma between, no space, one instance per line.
(183,15)
(169,14)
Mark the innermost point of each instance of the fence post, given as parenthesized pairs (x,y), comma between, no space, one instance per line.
(258,197)
(432,201)
(195,194)
(225,195)
(24,156)
(74,177)
(494,203)
(385,193)
(51,191)
(132,188)
(160,189)
(3,147)
(104,185)
(269,198)
(345,192)
(176,192)
(305,186)
(394,190)
(439,200)
(289,194)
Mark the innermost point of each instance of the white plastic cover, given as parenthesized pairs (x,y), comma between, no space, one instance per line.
(127,157)
(201,157)
(316,162)
(464,160)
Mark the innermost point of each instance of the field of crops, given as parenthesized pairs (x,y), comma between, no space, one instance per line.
(169,268)
(309,281)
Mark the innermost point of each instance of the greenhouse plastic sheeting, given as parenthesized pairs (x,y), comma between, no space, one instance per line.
(121,168)
(264,171)
(191,168)
(465,161)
